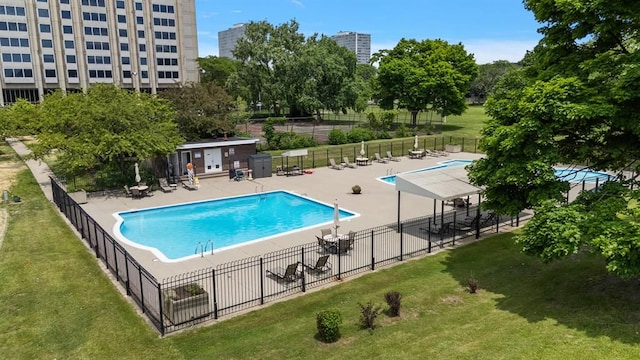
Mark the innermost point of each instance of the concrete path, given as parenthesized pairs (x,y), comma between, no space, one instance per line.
(39,169)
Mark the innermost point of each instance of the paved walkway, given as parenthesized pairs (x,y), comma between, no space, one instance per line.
(39,169)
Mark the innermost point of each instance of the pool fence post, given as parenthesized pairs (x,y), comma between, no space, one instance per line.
(401,240)
(159,286)
(141,290)
(302,274)
(373,258)
(261,281)
(126,269)
(214,294)
(596,190)
(453,241)
(429,235)
(95,234)
(583,184)
(478,222)
(475,146)
(339,264)
(115,259)
(517,220)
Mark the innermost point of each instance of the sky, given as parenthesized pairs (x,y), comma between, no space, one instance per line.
(490,29)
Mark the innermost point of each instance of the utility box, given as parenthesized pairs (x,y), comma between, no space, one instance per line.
(260,165)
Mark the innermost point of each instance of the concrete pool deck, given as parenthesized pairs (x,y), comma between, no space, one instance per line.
(377,205)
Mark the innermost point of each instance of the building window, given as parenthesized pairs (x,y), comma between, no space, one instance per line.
(6,58)
(139,20)
(120,4)
(142,47)
(122,32)
(72,73)
(141,34)
(64,1)
(122,19)
(68,44)
(145,74)
(126,60)
(8,73)
(45,28)
(50,73)
(138,6)
(46,43)
(43,13)
(71,59)
(143,61)
(67,29)
(126,74)
(26,57)
(48,58)
(66,14)
(124,47)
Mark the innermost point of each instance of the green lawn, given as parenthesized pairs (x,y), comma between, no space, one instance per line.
(56,303)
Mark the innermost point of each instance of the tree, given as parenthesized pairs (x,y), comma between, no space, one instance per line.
(216,69)
(577,102)
(488,76)
(202,110)
(107,125)
(430,74)
(19,118)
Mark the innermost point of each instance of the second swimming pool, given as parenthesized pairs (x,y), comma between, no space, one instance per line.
(178,232)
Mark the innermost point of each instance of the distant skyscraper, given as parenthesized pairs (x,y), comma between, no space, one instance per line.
(227,40)
(356,42)
(71,44)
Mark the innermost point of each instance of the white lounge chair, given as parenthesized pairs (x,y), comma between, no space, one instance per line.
(381,159)
(347,163)
(333,165)
(391,157)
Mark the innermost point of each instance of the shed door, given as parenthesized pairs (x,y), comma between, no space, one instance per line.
(212,160)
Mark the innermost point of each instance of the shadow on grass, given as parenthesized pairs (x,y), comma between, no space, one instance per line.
(576,292)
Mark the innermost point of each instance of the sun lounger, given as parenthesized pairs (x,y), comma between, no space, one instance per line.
(391,157)
(321,265)
(289,274)
(164,185)
(333,165)
(189,187)
(347,163)
(381,159)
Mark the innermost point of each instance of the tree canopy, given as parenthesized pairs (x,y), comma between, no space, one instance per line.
(105,125)
(430,74)
(488,76)
(216,69)
(202,110)
(575,102)
(280,68)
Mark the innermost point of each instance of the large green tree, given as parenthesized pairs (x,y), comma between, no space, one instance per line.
(216,69)
(488,76)
(202,110)
(280,68)
(576,102)
(107,125)
(430,74)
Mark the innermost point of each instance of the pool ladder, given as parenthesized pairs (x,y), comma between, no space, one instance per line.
(203,248)
(390,171)
(261,192)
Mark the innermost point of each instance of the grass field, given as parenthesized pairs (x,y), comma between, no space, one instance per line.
(56,303)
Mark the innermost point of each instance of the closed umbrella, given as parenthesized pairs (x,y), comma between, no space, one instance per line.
(415,143)
(362,149)
(137,173)
(336,216)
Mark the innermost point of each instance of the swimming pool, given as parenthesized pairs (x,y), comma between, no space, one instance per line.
(178,232)
(391,179)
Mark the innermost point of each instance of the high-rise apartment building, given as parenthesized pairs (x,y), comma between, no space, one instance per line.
(356,42)
(144,45)
(227,40)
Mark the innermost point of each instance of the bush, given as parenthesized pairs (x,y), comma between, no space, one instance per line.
(393,300)
(368,315)
(328,323)
(402,131)
(337,137)
(357,135)
(472,284)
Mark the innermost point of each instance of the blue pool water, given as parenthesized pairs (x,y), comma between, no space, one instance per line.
(391,179)
(571,175)
(174,232)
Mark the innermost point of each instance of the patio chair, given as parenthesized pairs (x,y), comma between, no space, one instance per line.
(347,163)
(321,265)
(327,246)
(333,165)
(127,191)
(468,224)
(391,157)
(344,245)
(288,275)
(164,185)
(325,232)
(135,193)
(239,175)
(352,239)
(381,159)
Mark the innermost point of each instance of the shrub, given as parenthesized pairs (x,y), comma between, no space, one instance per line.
(356,189)
(368,315)
(472,284)
(357,135)
(328,323)
(337,137)
(402,131)
(393,300)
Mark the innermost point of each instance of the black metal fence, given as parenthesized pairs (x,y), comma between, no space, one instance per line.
(186,299)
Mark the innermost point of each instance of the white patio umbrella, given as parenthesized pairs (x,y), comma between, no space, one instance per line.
(137,173)
(415,143)
(336,216)
(362,152)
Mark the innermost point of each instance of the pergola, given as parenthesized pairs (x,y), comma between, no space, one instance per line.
(443,184)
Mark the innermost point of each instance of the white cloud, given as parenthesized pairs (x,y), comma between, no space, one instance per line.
(298,3)
(488,51)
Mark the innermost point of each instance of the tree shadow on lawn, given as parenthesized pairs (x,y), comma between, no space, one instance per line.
(576,292)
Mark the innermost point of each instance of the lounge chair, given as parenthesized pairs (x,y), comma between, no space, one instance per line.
(333,165)
(289,274)
(189,187)
(488,219)
(468,224)
(381,159)
(321,265)
(391,157)
(164,185)
(435,153)
(347,163)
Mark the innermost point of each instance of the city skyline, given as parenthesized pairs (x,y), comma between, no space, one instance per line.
(490,29)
